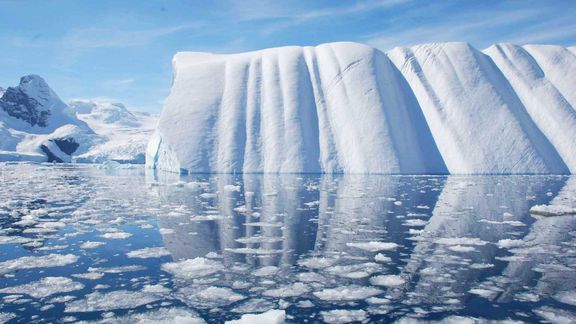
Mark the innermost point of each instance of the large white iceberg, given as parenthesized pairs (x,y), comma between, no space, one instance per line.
(347,107)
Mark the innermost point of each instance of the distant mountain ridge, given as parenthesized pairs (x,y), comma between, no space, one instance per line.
(36,125)
(349,108)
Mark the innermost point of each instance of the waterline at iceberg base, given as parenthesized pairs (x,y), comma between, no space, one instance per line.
(125,245)
(443,108)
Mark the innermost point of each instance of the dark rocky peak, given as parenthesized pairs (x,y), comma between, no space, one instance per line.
(32,101)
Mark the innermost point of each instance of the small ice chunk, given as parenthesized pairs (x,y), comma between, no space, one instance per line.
(91,245)
(116,235)
(231,188)
(461,248)
(120,299)
(508,243)
(552,210)
(373,246)
(149,252)
(555,315)
(193,268)
(266,271)
(45,287)
(347,293)
(387,280)
(292,290)
(273,316)
(31,262)
(566,297)
(382,258)
(160,316)
(338,316)
(460,241)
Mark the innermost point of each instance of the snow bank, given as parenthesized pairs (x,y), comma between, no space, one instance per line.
(346,107)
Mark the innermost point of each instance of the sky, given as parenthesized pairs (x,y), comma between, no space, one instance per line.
(122,50)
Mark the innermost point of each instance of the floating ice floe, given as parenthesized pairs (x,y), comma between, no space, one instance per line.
(373,246)
(347,293)
(91,245)
(149,252)
(31,262)
(338,316)
(273,316)
(120,299)
(116,235)
(161,316)
(387,280)
(208,297)
(555,315)
(293,290)
(45,287)
(193,268)
(552,210)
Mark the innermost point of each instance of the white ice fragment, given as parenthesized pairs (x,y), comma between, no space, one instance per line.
(347,293)
(387,280)
(373,246)
(338,316)
(193,268)
(30,262)
(149,252)
(45,287)
(120,299)
(273,316)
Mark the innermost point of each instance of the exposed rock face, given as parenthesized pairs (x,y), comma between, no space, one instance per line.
(31,101)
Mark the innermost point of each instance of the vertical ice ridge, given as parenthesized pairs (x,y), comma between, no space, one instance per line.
(328,157)
(231,123)
(548,108)
(346,107)
(252,152)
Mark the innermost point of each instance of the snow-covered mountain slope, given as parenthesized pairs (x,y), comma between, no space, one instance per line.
(36,125)
(346,107)
(126,132)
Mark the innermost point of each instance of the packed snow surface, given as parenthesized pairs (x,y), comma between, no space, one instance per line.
(36,125)
(347,107)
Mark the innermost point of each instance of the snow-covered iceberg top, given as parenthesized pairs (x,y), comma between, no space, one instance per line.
(347,107)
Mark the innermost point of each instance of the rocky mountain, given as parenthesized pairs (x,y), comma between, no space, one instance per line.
(36,125)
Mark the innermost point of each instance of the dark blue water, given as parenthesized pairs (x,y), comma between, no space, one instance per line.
(320,248)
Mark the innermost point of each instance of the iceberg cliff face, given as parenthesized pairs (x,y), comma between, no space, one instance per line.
(346,107)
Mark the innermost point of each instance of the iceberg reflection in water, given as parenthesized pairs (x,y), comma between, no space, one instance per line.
(122,245)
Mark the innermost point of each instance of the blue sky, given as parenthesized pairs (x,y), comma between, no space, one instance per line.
(122,50)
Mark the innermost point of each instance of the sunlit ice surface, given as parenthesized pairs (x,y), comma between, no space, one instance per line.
(122,244)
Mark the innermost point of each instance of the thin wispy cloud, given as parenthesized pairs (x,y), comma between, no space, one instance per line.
(91,38)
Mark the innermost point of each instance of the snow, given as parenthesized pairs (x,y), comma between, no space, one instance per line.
(273,316)
(36,125)
(31,262)
(432,108)
(45,287)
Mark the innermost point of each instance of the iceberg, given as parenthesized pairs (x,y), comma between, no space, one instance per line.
(345,107)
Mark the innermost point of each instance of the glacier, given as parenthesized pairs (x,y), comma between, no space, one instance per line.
(444,108)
